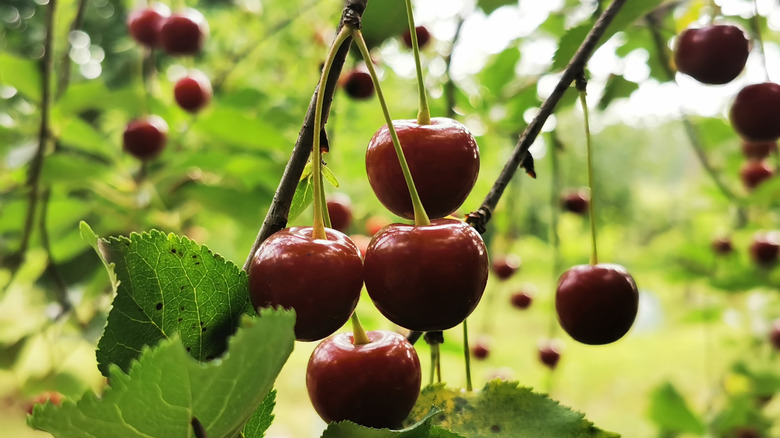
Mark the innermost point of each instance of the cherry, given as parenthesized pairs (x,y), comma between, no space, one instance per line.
(184,33)
(549,355)
(576,202)
(193,91)
(358,84)
(746,432)
(774,334)
(340,212)
(423,36)
(320,279)
(765,248)
(426,278)
(506,266)
(375,223)
(596,304)
(753,173)
(722,246)
(145,138)
(481,350)
(714,54)
(46,396)
(144,24)
(443,158)
(521,299)
(755,113)
(758,150)
(374,384)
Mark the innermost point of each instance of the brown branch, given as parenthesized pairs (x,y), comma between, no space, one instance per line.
(276,218)
(479,218)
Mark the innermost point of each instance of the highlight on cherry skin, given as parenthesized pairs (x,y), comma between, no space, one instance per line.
(144,138)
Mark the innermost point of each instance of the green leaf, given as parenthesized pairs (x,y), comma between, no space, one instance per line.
(240,128)
(669,410)
(330,176)
(303,197)
(348,429)
(22,74)
(80,134)
(504,409)
(165,389)
(71,168)
(383,19)
(617,87)
(262,418)
(500,71)
(491,5)
(570,42)
(169,285)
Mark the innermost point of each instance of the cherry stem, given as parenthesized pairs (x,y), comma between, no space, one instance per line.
(320,209)
(424,112)
(582,84)
(436,362)
(359,336)
(420,216)
(467,354)
(756,24)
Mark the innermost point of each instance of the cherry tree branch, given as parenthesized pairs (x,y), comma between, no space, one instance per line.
(479,218)
(276,218)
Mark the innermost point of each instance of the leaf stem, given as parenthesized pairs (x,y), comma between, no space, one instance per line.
(467,354)
(420,216)
(582,86)
(424,112)
(359,336)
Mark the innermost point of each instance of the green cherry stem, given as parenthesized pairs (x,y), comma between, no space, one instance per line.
(467,354)
(424,112)
(320,209)
(420,216)
(359,336)
(581,87)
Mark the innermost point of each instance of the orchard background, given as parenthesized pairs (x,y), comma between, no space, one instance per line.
(697,362)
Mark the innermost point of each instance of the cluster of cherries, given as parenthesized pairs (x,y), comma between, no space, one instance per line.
(179,34)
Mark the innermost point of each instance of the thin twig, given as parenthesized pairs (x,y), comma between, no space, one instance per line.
(276,218)
(449,86)
(479,218)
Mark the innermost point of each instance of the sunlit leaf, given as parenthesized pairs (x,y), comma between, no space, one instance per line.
(22,74)
(669,410)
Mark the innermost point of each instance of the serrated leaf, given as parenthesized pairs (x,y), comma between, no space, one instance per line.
(669,410)
(22,74)
(165,389)
(169,285)
(491,5)
(504,409)
(348,429)
(330,176)
(262,418)
(303,197)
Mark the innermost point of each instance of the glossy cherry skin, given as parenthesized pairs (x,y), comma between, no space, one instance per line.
(506,266)
(184,33)
(374,384)
(443,158)
(340,212)
(145,138)
(320,279)
(758,150)
(774,334)
(144,24)
(712,55)
(755,112)
(423,36)
(765,248)
(426,278)
(193,92)
(753,173)
(521,300)
(549,355)
(722,246)
(358,84)
(596,304)
(576,202)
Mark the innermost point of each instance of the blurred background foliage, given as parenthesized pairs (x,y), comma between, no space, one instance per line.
(697,362)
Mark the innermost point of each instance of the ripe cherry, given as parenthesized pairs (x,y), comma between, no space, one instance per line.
(193,91)
(722,246)
(46,396)
(374,384)
(144,24)
(774,334)
(755,113)
(714,54)
(443,158)
(576,202)
(423,36)
(320,279)
(358,84)
(506,266)
(184,33)
(758,150)
(481,349)
(145,138)
(596,304)
(765,248)
(340,212)
(753,173)
(549,355)
(426,278)
(521,299)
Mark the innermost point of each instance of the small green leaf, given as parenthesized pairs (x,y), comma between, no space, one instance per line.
(22,74)
(330,176)
(348,429)
(617,87)
(303,197)
(491,5)
(669,410)
(165,389)
(262,418)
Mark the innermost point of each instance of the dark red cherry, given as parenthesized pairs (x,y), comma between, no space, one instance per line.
(549,355)
(481,349)
(774,334)
(765,248)
(753,173)
(521,299)
(423,36)
(576,202)
(758,150)
(184,33)
(755,113)
(722,246)
(144,24)
(193,91)
(358,84)
(714,54)
(145,138)
(506,266)
(340,212)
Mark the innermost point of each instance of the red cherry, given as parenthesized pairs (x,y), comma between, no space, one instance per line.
(758,150)
(753,173)
(549,355)
(144,24)
(193,91)
(184,33)
(576,202)
(506,266)
(765,248)
(46,396)
(375,223)
(443,158)
(774,334)
(722,246)
(358,84)
(145,138)
(521,299)
(320,279)
(755,113)
(340,212)
(374,384)
(713,55)
(423,36)
(426,278)
(596,304)
(481,350)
